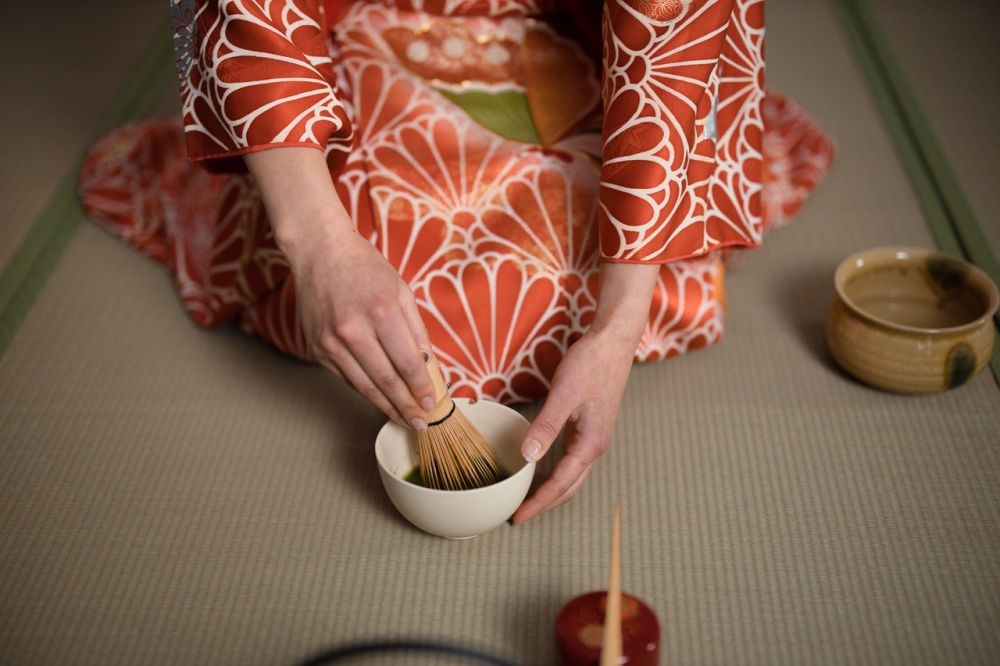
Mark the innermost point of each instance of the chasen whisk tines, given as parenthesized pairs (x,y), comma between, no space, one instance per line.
(453,454)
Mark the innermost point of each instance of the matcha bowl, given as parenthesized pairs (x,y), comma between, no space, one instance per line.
(458,514)
(911,320)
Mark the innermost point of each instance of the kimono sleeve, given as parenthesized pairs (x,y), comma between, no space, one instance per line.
(255,76)
(660,68)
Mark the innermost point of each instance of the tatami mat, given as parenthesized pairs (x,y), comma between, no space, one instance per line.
(175,496)
(952,61)
(67,61)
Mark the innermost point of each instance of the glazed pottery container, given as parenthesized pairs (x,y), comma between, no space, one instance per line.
(911,320)
(458,514)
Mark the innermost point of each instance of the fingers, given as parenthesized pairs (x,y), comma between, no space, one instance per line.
(584,445)
(546,427)
(403,352)
(379,356)
(568,495)
(328,364)
(344,365)
(380,373)
(558,488)
(413,319)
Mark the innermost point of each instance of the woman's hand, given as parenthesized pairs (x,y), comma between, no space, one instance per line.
(584,396)
(587,386)
(359,317)
(361,322)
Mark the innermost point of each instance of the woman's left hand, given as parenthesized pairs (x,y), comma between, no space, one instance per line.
(586,391)
(587,386)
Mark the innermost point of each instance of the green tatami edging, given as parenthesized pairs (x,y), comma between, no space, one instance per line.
(36,257)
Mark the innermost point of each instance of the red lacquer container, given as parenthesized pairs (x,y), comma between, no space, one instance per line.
(580,626)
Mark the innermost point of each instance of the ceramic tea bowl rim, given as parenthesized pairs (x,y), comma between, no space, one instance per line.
(527,468)
(891,254)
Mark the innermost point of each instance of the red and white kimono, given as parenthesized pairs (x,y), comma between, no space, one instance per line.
(493,150)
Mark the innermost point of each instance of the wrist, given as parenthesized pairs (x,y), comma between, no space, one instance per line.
(623,304)
(620,331)
(301,232)
(301,200)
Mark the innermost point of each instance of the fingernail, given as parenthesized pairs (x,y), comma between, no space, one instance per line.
(419,424)
(532,450)
(427,403)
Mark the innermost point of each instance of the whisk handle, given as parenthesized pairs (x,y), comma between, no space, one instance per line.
(444,407)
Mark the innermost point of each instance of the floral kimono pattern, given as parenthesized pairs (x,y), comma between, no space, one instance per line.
(494,151)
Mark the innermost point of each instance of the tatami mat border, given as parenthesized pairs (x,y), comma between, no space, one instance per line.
(38,254)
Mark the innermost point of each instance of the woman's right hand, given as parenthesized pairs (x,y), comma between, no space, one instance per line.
(361,321)
(359,317)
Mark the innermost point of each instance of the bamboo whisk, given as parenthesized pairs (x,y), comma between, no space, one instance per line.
(453,454)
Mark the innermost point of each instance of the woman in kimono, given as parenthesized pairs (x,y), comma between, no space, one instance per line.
(539,191)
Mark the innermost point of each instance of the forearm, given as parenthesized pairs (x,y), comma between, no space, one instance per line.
(623,304)
(299,195)
(357,317)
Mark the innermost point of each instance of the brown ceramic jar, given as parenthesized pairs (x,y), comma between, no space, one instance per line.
(911,320)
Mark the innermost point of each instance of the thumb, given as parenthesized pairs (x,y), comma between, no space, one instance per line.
(546,427)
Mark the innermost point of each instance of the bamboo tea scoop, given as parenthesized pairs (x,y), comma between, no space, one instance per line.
(611,645)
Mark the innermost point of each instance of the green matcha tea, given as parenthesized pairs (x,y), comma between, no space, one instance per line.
(413,476)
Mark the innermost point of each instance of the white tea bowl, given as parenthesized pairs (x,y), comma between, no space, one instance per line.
(458,514)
